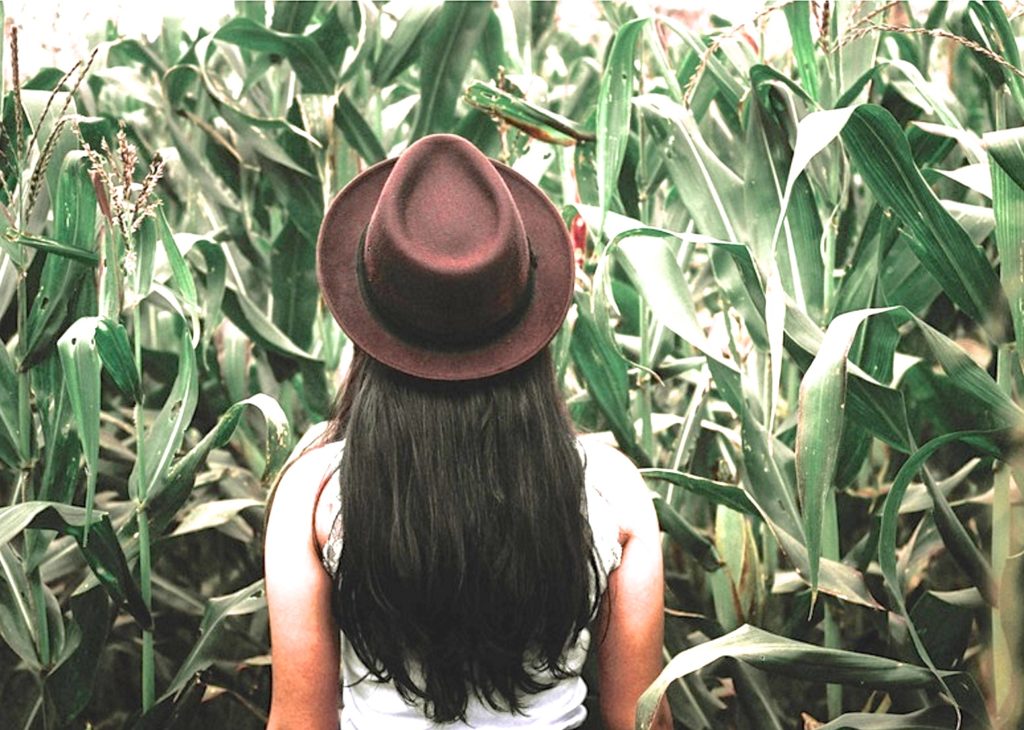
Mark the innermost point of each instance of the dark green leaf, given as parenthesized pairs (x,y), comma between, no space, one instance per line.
(102,551)
(444,60)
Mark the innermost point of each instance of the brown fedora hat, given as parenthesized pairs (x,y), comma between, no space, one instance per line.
(445,264)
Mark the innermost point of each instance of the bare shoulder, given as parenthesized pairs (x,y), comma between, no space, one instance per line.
(296,495)
(612,474)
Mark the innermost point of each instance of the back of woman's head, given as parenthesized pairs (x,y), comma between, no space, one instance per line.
(467,565)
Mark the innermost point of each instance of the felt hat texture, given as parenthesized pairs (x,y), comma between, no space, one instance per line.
(445,264)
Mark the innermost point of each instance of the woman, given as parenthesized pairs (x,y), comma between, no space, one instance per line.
(441,550)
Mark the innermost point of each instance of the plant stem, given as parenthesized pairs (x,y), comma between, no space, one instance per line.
(145,563)
(25,472)
(830,550)
(643,379)
(1002,664)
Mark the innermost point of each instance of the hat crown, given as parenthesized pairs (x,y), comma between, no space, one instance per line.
(445,256)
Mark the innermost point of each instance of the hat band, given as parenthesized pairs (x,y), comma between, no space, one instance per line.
(451,342)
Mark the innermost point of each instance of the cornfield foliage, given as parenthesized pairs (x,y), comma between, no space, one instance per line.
(800,309)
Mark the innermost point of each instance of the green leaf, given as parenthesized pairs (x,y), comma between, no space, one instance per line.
(786,657)
(71,685)
(252,321)
(798,16)
(80,359)
(686,535)
(604,371)
(401,49)
(294,285)
(244,601)
(181,276)
(537,122)
(728,495)
(713,192)
(770,491)
(444,59)
(651,265)
(74,224)
(17,620)
(820,427)
(881,152)
(614,105)
(164,436)
(349,120)
(308,62)
(102,551)
(116,353)
(10,427)
(1006,153)
(169,496)
(887,553)
(215,513)
(48,245)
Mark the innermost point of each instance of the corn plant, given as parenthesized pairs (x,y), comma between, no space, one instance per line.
(800,309)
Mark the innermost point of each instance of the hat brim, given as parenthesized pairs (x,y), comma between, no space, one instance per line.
(336,270)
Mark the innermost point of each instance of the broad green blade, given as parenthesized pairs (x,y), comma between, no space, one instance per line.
(164,436)
(74,225)
(181,276)
(349,120)
(81,361)
(770,491)
(17,619)
(1006,152)
(400,50)
(10,427)
(711,191)
(536,121)
(728,495)
(215,513)
(787,657)
(294,285)
(614,105)
(248,317)
(686,535)
(798,16)
(102,551)
(116,353)
(881,153)
(244,601)
(604,372)
(48,245)
(168,496)
(312,68)
(820,421)
(444,60)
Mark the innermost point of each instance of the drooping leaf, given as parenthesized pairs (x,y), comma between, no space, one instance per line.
(243,601)
(163,437)
(788,657)
(313,69)
(102,550)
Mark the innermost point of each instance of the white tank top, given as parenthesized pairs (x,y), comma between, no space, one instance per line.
(369,704)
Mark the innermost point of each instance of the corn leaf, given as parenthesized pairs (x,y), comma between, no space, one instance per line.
(614,104)
(102,551)
(444,60)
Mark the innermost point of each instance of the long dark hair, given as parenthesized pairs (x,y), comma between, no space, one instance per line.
(467,563)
